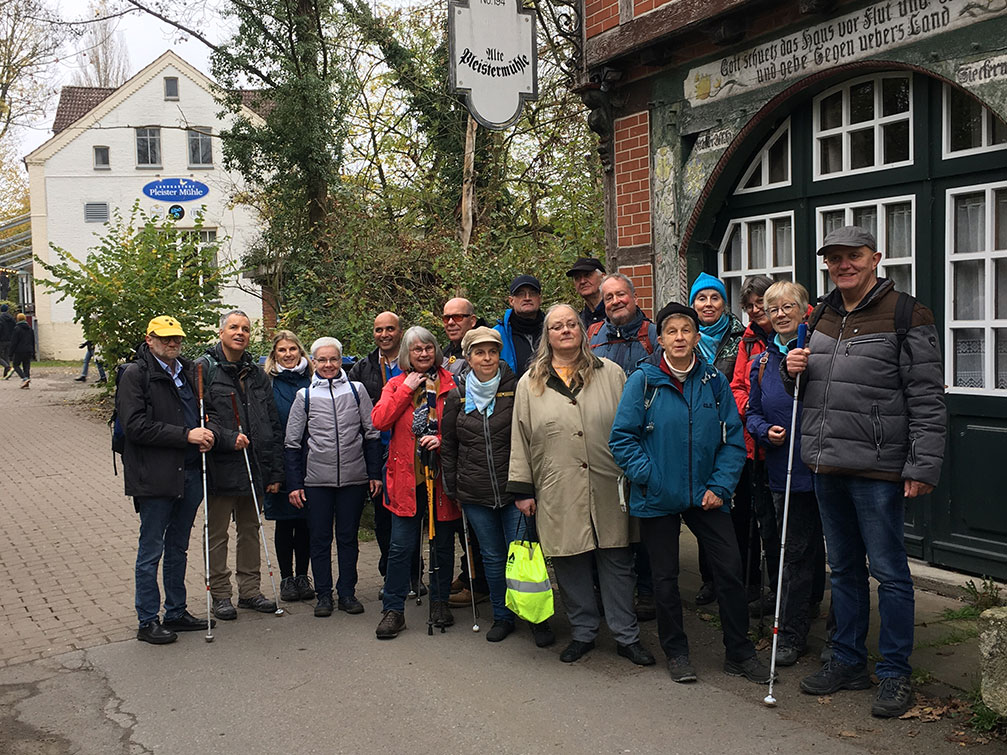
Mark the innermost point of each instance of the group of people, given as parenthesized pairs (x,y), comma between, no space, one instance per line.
(17,345)
(595,431)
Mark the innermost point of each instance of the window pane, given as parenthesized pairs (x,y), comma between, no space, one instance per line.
(969,289)
(969,350)
(901,275)
(732,252)
(101,157)
(779,160)
(832,154)
(866,217)
(831,112)
(733,286)
(899,230)
(783,276)
(827,284)
(1000,342)
(193,149)
(998,130)
(896,141)
(862,148)
(755,179)
(970,222)
(1000,218)
(1000,294)
(862,102)
(894,96)
(832,220)
(783,245)
(757,245)
(966,121)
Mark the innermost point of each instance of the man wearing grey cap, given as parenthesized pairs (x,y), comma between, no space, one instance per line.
(873,432)
(587,273)
(520,327)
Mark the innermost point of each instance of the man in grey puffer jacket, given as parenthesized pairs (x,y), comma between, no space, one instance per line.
(872,431)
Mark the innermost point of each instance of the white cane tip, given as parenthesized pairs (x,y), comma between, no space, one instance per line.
(770,701)
(475,627)
(209,638)
(279,612)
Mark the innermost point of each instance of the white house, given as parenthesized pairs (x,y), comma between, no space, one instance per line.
(153,140)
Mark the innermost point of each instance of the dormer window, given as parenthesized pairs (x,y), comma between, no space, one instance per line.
(171,87)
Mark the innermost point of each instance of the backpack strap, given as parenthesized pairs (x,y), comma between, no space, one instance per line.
(904,307)
(762,365)
(643,336)
(592,330)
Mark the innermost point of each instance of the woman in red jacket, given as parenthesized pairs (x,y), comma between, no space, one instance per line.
(405,409)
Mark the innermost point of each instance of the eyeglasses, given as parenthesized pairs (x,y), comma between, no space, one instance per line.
(455,318)
(784,308)
(557,327)
(328,360)
(754,305)
(168,339)
(428,349)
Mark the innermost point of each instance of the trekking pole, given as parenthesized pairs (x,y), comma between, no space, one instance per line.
(206,504)
(802,331)
(428,473)
(255,503)
(468,559)
(419,567)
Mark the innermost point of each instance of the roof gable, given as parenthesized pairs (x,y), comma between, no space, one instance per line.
(75,103)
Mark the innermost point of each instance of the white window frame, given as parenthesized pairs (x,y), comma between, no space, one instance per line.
(206,236)
(988,115)
(171,97)
(160,152)
(988,324)
(201,133)
(761,163)
(94,157)
(881,237)
(777,272)
(844,130)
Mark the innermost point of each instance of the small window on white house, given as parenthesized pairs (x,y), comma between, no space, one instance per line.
(96,212)
(101,160)
(771,167)
(200,148)
(969,127)
(758,245)
(148,147)
(171,87)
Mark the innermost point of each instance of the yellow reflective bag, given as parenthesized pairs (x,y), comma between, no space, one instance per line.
(529,592)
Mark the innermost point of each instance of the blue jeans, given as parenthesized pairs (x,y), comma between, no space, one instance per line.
(494,528)
(405,538)
(863,521)
(335,510)
(165,524)
(97,363)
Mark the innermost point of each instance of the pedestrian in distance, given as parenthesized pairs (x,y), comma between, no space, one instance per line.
(289,368)
(562,472)
(407,402)
(520,327)
(586,274)
(333,458)
(22,349)
(768,418)
(233,377)
(7,323)
(475,455)
(162,470)
(88,356)
(873,432)
(677,436)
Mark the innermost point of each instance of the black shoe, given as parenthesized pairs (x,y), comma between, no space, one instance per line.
(288,590)
(304,589)
(895,697)
(543,634)
(680,669)
(576,650)
(637,653)
(440,614)
(187,623)
(324,606)
(834,676)
(155,634)
(259,603)
(706,595)
(351,605)
(101,381)
(787,655)
(764,607)
(826,655)
(645,608)
(80,379)
(751,668)
(392,622)
(223,609)
(499,631)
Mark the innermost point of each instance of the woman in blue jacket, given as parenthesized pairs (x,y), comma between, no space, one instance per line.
(677,436)
(768,420)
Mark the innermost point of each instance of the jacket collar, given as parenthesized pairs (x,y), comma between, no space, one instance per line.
(834,298)
(627,331)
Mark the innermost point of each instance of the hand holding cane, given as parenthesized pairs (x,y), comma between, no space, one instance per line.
(206,504)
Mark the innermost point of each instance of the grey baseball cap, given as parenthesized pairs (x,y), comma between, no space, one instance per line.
(849,235)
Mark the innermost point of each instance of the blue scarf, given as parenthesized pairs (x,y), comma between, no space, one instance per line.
(784,348)
(711,335)
(481,396)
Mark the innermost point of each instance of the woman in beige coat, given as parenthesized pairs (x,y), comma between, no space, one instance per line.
(562,470)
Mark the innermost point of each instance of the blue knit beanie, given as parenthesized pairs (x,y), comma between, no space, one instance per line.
(705,281)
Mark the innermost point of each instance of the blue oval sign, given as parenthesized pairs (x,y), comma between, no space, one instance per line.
(176,189)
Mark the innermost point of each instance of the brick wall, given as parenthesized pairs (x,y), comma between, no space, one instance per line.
(642,6)
(600,15)
(632,179)
(643,280)
(268,311)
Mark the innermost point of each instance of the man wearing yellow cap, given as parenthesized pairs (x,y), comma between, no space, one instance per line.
(157,407)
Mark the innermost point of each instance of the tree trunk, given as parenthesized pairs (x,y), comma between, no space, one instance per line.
(468,184)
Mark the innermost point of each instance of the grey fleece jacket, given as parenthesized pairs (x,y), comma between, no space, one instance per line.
(871,409)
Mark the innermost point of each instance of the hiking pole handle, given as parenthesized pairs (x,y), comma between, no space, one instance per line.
(199,380)
(237,415)
(802,334)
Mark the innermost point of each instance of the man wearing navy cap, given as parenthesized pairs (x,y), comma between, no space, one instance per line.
(587,273)
(521,325)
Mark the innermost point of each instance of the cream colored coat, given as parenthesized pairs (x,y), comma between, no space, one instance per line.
(559,445)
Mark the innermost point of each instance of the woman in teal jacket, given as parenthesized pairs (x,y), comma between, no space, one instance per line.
(678,438)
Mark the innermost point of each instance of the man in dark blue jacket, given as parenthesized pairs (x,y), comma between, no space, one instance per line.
(521,326)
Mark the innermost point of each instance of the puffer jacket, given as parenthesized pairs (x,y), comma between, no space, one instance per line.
(872,409)
(343,448)
(683,443)
(475,450)
(622,344)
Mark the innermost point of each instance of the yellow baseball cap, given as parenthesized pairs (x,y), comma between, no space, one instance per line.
(164,327)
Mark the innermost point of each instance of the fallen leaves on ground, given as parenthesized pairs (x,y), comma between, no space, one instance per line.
(847,733)
(764,644)
(934,709)
(825,700)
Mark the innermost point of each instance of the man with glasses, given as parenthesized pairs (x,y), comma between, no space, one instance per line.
(158,410)
(521,326)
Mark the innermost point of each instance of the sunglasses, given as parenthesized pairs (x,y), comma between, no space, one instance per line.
(455,318)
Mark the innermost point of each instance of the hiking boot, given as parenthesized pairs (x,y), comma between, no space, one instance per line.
(751,668)
(826,655)
(766,606)
(224,610)
(542,634)
(25,383)
(464,598)
(787,655)
(80,379)
(351,605)
(259,603)
(440,614)
(304,589)
(457,586)
(288,590)
(392,622)
(155,634)
(706,595)
(499,630)
(895,696)
(324,606)
(576,650)
(834,676)
(646,610)
(680,669)
(186,622)
(637,653)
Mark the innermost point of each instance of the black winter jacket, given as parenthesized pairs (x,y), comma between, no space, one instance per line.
(6,326)
(475,451)
(23,340)
(368,372)
(153,421)
(259,421)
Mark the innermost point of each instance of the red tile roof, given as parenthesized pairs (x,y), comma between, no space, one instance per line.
(75,103)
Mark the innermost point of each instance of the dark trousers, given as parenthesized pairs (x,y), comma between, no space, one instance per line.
(4,348)
(403,556)
(293,547)
(338,510)
(22,365)
(803,565)
(714,530)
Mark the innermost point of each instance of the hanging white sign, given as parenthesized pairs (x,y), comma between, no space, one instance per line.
(493,60)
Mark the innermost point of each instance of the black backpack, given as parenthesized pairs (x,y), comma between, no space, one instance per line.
(904,307)
(114,425)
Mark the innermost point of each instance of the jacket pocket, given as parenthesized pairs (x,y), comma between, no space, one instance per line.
(879,433)
(863,342)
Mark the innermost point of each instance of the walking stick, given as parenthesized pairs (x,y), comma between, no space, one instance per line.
(472,590)
(255,503)
(206,504)
(427,458)
(802,331)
